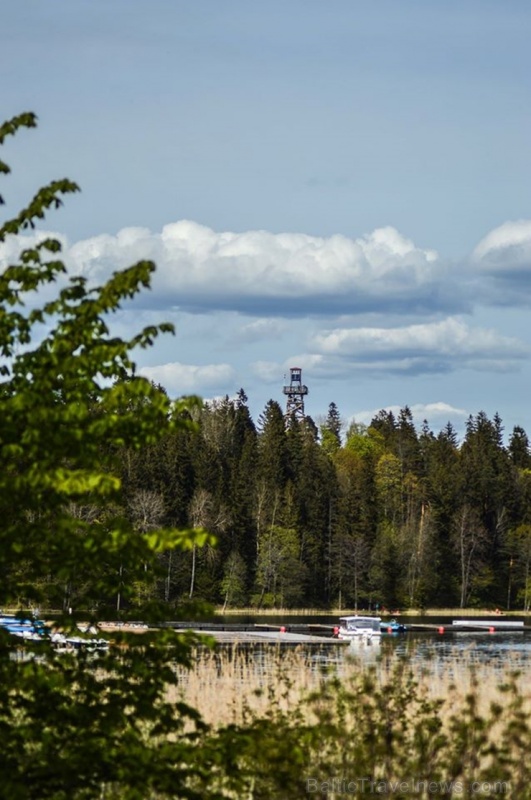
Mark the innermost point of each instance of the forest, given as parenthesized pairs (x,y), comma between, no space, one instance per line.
(116,499)
(305,516)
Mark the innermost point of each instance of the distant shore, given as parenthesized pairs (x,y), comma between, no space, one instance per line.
(315,612)
(382,612)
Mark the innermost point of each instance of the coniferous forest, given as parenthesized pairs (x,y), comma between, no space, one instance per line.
(116,499)
(384,517)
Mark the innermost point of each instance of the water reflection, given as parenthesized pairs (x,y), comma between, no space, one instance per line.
(501,650)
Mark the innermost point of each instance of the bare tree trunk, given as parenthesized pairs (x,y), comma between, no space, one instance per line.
(192,579)
(119,595)
(168,578)
(67,596)
(267,583)
(471,537)
(527,587)
(328,587)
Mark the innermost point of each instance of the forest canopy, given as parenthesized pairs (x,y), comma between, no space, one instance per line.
(98,459)
(117,500)
(383,515)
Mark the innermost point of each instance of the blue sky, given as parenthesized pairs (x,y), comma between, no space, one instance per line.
(343,186)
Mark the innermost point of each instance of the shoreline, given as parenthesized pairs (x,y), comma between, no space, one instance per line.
(336,612)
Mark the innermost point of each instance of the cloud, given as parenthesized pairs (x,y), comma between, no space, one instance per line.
(268,371)
(13,245)
(296,276)
(260,329)
(436,413)
(10,252)
(438,409)
(442,346)
(290,275)
(286,274)
(505,246)
(439,347)
(502,265)
(337,305)
(180,379)
(316,365)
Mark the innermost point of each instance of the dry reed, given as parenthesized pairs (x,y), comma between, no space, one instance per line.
(335,611)
(227,685)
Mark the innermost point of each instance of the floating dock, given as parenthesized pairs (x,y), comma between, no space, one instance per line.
(275,637)
(471,626)
(316,634)
(502,624)
(264,634)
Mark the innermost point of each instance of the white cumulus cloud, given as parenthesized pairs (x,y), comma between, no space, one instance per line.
(277,274)
(442,346)
(505,246)
(444,339)
(180,379)
(502,265)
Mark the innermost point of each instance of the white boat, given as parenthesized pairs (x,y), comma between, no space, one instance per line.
(35,630)
(353,627)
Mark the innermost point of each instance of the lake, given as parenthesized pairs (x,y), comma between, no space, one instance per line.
(499,650)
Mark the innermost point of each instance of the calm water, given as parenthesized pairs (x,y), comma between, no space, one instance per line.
(500,650)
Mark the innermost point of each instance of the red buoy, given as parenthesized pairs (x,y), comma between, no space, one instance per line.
(441,629)
(283,629)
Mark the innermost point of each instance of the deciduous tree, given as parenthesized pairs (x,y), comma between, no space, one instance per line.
(69,399)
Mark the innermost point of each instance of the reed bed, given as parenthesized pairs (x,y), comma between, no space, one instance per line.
(229,685)
(463,613)
(275,612)
(294,722)
(456,613)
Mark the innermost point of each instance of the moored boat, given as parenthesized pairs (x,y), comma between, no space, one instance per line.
(392,626)
(35,630)
(355,626)
(27,629)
